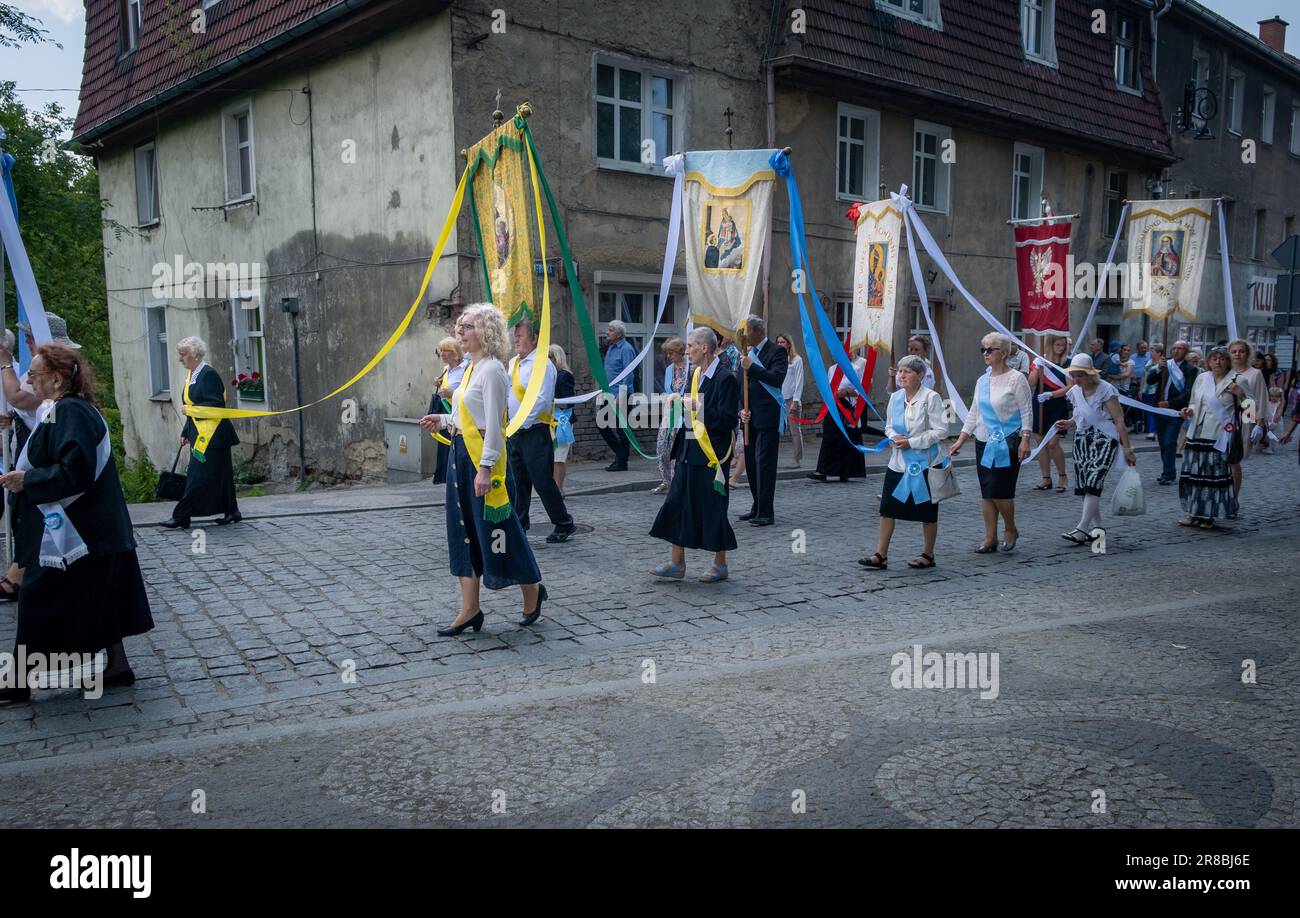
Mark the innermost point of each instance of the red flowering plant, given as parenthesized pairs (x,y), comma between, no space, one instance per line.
(250,386)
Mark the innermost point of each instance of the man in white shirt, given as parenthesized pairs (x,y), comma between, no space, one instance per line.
(531,451)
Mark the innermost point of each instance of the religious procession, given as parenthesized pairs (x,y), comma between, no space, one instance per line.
(1061,318)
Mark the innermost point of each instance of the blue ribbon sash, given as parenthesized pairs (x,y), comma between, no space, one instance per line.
(996,452)
(771,390)
(912,483)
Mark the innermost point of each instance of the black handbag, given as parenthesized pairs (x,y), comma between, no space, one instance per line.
(171,486)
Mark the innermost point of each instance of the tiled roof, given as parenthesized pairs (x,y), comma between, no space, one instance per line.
(168,53)
(976,63)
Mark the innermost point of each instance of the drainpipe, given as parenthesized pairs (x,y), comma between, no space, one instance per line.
(1155,34)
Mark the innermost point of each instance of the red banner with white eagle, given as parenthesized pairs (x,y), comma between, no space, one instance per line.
(1041,252)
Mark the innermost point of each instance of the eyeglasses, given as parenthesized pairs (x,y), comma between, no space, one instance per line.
(989,350)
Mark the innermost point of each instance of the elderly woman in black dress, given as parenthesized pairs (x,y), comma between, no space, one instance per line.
(210,478)
(694,515)
(82,591)
(486,544)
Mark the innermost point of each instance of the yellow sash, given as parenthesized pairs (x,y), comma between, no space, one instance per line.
(442,381)
(205,426)
(496,505)
(546,416)
(702,437)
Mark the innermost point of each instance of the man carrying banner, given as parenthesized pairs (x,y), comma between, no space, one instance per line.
(1175,390)
(763,368)
(531,450)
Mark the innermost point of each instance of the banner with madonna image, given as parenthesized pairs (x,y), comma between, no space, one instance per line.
(500,206)
(726,221)
(875,275)
(1166,246)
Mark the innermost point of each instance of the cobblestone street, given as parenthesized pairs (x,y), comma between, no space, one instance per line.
(639,703)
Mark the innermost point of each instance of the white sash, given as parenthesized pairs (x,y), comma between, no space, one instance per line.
(61,544)
(1223,415)
(1086,416)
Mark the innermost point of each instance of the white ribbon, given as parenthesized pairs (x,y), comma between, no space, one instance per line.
(24,279)
(1229,307)
(1101,282)
(674,166)
(61,544)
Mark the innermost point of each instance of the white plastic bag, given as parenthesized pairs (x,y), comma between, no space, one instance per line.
(1128,499)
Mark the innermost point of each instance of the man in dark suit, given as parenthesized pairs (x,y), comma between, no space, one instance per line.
(1172,392)
(764,364)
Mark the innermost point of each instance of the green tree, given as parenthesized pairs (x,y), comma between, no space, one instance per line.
(17,27)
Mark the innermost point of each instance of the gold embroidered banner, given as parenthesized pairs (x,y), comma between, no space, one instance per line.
(499,207)
(875,276)
(1166,253)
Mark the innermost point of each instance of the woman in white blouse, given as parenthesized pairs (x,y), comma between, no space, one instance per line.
(916,426)
(1000,419)
(792,392)
(1206,488)
(1100,432)
(485,540)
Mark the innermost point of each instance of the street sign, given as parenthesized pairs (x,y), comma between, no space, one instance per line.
(1288,254)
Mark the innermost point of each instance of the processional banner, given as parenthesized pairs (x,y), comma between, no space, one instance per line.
(1041,263)
(875,276)
(500,207)
(1166,246)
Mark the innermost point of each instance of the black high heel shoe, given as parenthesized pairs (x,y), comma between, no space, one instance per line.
(530,617)
(476,623)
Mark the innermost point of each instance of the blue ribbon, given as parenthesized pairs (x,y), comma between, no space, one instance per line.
(996,452)
(771,390)
(816,366)
(563,426)
(912,483)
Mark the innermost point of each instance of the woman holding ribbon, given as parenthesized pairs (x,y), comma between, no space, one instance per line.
(210,478)
(675,381)
(1100,431)
(1000,419)
(1206,488)
(694,515)
(916,426)
(485,540)
(82,590)
(1043,381)
(453,371)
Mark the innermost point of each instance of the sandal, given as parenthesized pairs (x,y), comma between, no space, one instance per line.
(877,561)
(670,571)
(715,573)
(1069,537)
(1061,488)
(1044,485)
(1191,523)
(986,549)
(922,562)
(7,595)
(661,489)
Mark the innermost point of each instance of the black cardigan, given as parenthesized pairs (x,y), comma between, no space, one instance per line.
(62,455)
(208,390)
(720,394)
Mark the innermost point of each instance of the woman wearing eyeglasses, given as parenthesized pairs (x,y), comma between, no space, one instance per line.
(1000,419)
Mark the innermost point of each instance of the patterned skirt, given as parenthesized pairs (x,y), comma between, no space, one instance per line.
(1094,454)
(1205,487)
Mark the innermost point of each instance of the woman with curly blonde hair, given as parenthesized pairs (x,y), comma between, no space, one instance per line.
(485,540)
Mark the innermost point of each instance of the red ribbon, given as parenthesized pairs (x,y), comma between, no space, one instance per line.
(854,417)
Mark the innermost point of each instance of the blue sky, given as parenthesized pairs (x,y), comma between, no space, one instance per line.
(44,67)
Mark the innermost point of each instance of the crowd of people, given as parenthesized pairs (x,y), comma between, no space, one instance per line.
(78,583)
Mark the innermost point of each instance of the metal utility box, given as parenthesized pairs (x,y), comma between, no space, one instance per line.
(412,455)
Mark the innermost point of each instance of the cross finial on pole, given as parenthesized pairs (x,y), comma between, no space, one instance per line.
(498,116)
(727,114)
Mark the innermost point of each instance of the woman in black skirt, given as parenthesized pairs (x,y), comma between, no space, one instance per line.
(210,478)
(485,540)
(82,590)
(916,426)
(1048,410)
(838,457)
(1001,416)
(694,515)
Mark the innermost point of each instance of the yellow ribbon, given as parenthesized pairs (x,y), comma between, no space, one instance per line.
(496,505)
(544,319)
(200,411)
(442,380)
(702,437)
(205,426)
(545,416)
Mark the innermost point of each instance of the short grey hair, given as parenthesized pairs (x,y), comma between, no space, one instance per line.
(618,326)
(527,322)
(756,321)
(192,345)
(1180,342)
(913,363)
(702,334)
(997,339)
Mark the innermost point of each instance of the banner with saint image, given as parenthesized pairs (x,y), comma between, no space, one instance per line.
(875,276)
(1166,245)
(725,221)
(501,208)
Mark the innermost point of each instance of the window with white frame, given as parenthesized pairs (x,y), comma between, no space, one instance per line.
(237,142)
(131,24)
(1127,72)
(842,304)
(157,354)
(1257,239)
(635,306)
(146,184)
(1295,128)
(918,326)
(635,104)
(1233,95)
(857,159)
(1262,339)
(1267,115)
(925,12)
(930,174)
(250,346)
(1026,182)
(1015,319)
(1200,78)
(1038,30)
(1116,193)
